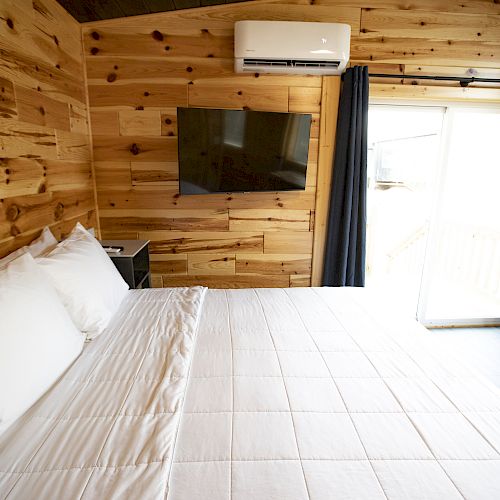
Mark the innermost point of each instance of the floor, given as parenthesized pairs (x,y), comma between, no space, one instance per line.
(479,347)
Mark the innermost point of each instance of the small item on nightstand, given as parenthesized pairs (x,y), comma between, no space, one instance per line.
(113,249)
(131,258)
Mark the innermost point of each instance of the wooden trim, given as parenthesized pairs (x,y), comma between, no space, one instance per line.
(434,93)
(61,12)
(91,138)
(330,95)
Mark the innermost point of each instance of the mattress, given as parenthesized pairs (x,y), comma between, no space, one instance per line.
(107,428)
(327,393)
(273,394)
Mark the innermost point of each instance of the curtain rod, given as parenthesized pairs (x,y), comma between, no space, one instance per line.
(463,80)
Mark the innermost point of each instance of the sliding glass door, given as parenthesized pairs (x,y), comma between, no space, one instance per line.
(461,282)
(403,150)
(433,212)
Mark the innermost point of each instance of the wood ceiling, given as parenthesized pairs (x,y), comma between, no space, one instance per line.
(95,10)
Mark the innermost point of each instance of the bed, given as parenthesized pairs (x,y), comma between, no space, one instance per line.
(293,394)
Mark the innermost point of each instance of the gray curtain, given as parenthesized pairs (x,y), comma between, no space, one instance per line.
(346,239)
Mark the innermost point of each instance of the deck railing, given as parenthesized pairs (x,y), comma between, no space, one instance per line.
(467,254)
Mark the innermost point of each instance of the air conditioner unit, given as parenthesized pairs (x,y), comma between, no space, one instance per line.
(291,47)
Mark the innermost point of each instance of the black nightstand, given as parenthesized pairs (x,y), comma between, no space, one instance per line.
(132,262)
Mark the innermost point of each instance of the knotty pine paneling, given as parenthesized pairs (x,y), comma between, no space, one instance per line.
(8,105)
(288,264)
(430,25)
(119,196)
(136,148)
(29,213)
(78,119)
(41,48)
(154,173)
(269,220)
(282,242)
(430,52)
(27,176)
(62,175)
(211,264)
(169,264)
(140,122)
(185,58)
(134,95)
(112,174)
(24,176)
(169,122)
(170,41)
(34,107)
(45,168)
(24,140)
(304,99)
(198,219)
(105,123)
(262,98)
(164,243)
(300,280)
(194,239)
(72,146)
(226,280)
(462,7)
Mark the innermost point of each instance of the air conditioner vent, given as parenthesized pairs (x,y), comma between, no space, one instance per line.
(289,63)
(291,47)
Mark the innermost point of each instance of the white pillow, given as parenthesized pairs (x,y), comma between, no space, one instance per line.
(38,340)
(45,242)
(86,280)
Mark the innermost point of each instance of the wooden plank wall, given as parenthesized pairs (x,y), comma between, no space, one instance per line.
(137,77)
(45,168)
(140,69)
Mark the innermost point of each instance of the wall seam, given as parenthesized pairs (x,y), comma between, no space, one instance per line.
(91,139)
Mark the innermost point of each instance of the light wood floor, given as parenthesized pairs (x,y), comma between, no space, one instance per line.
(479,347)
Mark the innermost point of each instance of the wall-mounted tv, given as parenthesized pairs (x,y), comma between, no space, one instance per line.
(228,150)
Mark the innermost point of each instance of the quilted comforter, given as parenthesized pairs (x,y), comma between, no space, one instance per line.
(324,394)
(107,428)
(291,394)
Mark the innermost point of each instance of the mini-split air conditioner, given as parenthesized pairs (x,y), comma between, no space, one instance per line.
(290,47)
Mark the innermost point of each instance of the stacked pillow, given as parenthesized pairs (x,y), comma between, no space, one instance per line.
(44,243)
(38,340)
(52,296)
(86,280)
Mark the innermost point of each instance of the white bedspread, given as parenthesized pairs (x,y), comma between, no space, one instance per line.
(319,394)
(107,429)
(293,394)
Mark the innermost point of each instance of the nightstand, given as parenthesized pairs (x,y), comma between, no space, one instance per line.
(132,262)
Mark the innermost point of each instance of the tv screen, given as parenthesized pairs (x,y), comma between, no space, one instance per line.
(228,150)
